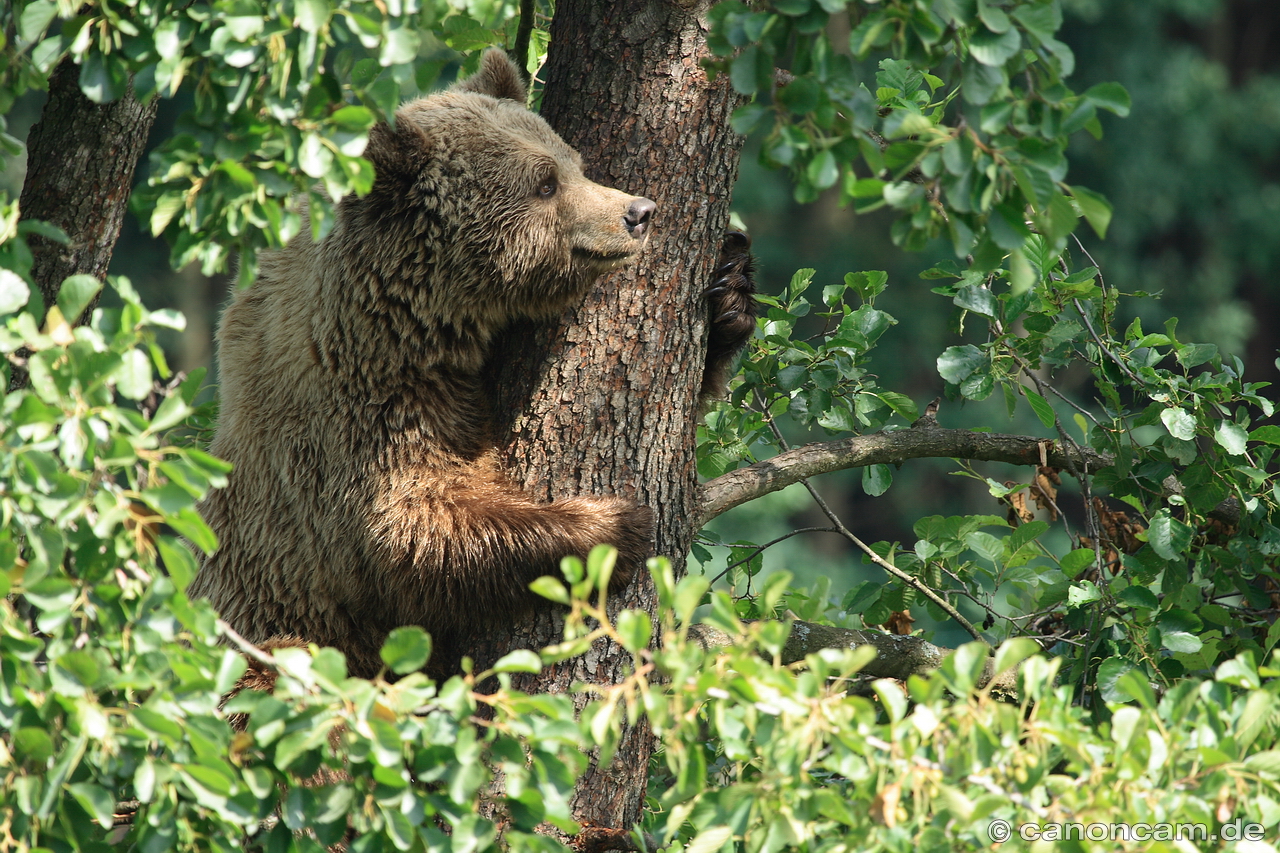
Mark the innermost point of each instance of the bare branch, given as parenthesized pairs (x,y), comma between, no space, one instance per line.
(920,442)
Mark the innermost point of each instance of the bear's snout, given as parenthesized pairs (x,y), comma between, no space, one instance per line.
(636,219)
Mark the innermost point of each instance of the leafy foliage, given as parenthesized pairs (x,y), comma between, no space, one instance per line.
(285,92)
(761,758)
(976,152)
(964,131)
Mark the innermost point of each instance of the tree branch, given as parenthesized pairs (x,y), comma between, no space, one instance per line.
(921,441)
(524,31)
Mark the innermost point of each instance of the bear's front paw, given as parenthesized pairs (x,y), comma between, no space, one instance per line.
(732,308)
(731,297)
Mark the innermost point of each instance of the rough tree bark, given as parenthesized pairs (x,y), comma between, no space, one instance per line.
(81,158)
(605,401)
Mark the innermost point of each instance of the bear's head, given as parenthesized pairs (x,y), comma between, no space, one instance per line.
(480,212)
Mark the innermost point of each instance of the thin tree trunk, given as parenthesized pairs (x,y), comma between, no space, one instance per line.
(606,402)
(81,158)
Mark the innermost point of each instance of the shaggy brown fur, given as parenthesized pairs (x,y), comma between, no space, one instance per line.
(365,493)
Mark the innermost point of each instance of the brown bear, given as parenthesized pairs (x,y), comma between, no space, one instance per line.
(366,493)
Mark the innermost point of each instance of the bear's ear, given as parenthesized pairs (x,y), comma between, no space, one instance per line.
(498,76)
(401,152)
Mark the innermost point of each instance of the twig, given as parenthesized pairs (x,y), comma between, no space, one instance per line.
(1088,324)
(245,646)
(757,549)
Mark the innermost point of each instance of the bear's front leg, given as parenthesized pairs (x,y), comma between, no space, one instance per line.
(733,309)
(451,558)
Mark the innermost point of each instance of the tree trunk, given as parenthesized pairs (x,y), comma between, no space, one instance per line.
(81,158)
(605,402)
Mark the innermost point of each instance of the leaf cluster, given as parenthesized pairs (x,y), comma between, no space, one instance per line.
(964,132)
(283,94)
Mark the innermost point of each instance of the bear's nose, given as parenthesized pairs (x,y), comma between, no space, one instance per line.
(636,219)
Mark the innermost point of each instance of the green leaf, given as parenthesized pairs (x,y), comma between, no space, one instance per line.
(352,118)
(1013,652)
(133,376)
(1094,207)
(80,667)
(876,479)
(35,19)
(406,649)
(1180,642)
(163,210)
(75,294)
(314,157)
(743,71)
(187,522)
(978,299)
(957,363)
(1109,673)
(1007,227)
(1179,423)
(1109,96)
(635,629)
(710,840)
(1239,671)
(1266,763)
(520,660)
(980,82)
(822,171)
(72,752)
(1179,631)
(1138,596)
(550,588)
(995,48)
(230,668)
(103,77)
(989,547)
(801,95)
(1231,437)
(1042,408)
(1169,537)
(1077,561)
(862,596)
(14,292)
(901,404)
(1022,277)
(312,15)
(33,744)
(96,800)
(399,45)
(1190,355)
(172,411)
(868,284)
(890,695)
(1082,593)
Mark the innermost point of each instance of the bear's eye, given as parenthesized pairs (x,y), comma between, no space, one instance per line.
(548,187)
